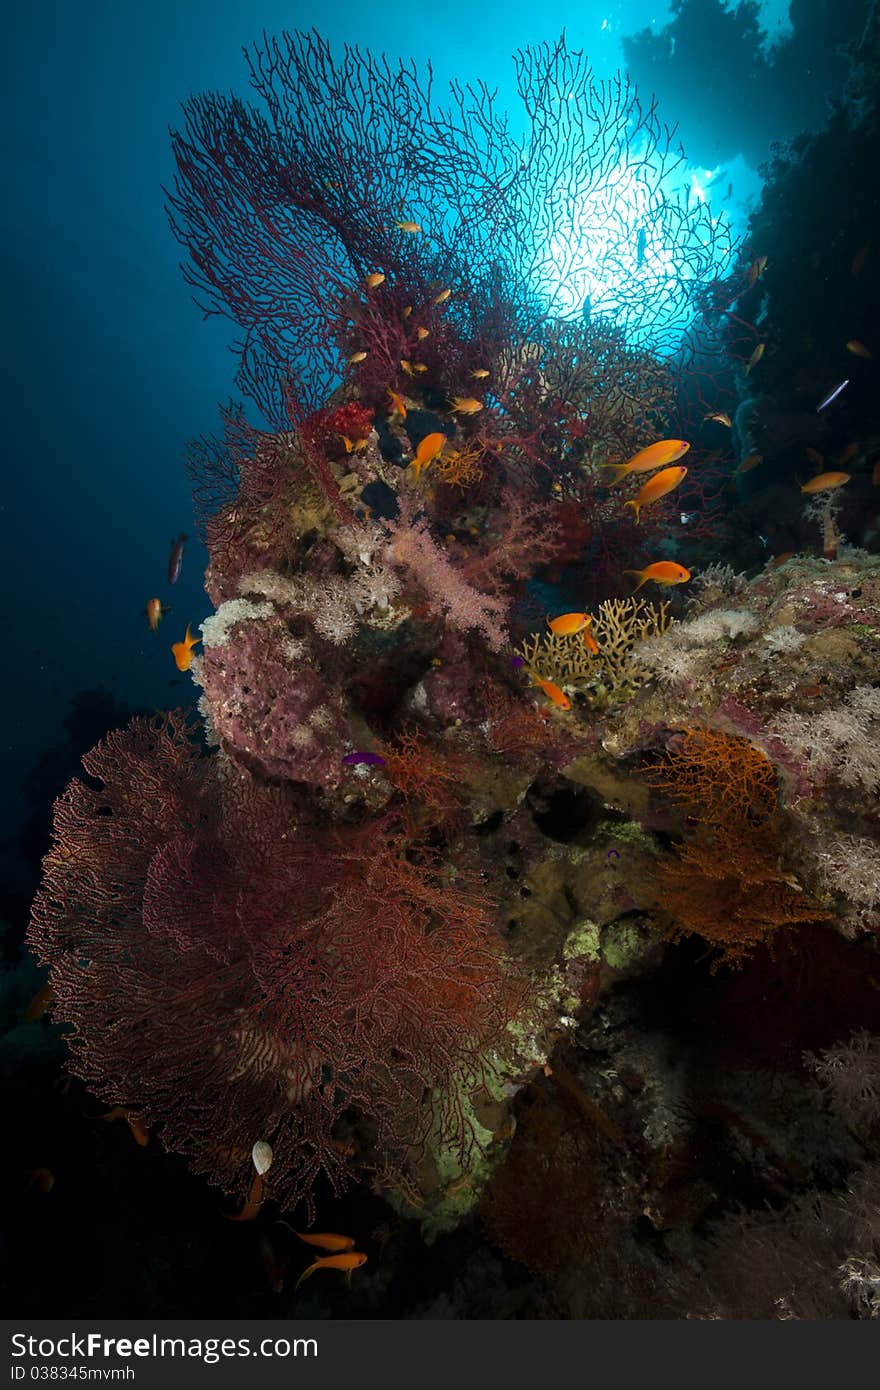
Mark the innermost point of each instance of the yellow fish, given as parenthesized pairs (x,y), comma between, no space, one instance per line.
(826,482)
(421,334)
(859,350)
(755,357)
(419,367)
(657,487)
(407,311)
(183,651)
(465,405)
(442,297)
(377,278)
(356,357)
(654,456)
(407,366)
(408,226)
(479,373)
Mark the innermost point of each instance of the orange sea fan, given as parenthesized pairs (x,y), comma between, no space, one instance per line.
(726,882)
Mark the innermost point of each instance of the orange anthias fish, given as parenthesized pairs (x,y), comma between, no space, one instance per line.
(357,357)
(442,297)
(750,462)
(183,651)
(859,350)
(374,280)
(568,624)
(155,611)
(657,487)
(465,405)
(553,692)
(408,226)
(350,1261)
(755,357)
(324,1241)
(422,334)
(427,451)
(654,456)
(661,572)
(826,482)
(398,402)
(756,270)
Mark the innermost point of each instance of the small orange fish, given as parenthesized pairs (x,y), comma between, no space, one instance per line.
(654,456)
(422,334)
(661,572)
(720,417)
(350,1261)
(859,350)
(858,260)
(479,373)
(356,357)
(815,457)
(553,692)
(39,1004)
(427,451)
(324,1241)
(407,366)
(442,297)
(826,482)
(657,487)
(407,311)
(354,446)
(408,226)
(419,367)
(399,403)
(755,357)
(465,405)
(251,1206)
(750,462)
(781,558)
(755,271)
(155,611)
(372,281)
(183,651)
(568,624)
(135,1124)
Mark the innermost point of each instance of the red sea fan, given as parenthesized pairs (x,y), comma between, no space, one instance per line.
(234,976)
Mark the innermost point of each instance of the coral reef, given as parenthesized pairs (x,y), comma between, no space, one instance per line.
(489,926)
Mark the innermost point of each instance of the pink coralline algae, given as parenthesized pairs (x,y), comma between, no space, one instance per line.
(272,711)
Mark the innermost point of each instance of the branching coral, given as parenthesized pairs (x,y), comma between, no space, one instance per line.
(614,671)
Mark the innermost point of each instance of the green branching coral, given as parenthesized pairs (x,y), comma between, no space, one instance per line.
(612,673)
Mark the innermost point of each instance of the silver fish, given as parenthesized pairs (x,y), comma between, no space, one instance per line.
(832,395)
